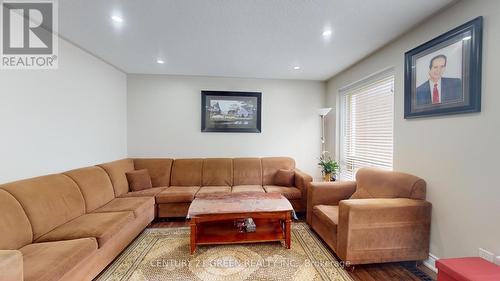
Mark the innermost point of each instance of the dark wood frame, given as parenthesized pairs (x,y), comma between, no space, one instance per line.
(257,95)
(211,229)
(475,27)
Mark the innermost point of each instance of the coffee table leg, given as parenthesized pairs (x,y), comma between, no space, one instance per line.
(193,236)
(288,221)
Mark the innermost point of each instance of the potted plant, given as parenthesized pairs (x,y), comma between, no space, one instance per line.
(329,167)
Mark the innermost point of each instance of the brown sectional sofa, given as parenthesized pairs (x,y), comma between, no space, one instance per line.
(70,226)
(197,177)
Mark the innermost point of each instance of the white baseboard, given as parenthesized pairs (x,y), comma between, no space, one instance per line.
(430,262)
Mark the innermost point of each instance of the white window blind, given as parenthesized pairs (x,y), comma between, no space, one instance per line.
(367,114)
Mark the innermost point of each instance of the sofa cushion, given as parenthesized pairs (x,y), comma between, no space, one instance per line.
(137,205)
(102,226)
(159,169)
(217,172)
(116,171)
(150,192)
(139,180)
(48,201)
(284,178)
(172,210)
(328,214)
(14,224)
(51,260)
(177,194)
(248,188)
(207,190)
(377,183)
(11,265)
(324,226)
(95,185)
(289,192)
(247,171)
(186,172)
(271,165)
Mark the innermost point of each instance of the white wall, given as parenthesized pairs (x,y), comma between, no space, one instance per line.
(457,155)
(55,120)
(164,119)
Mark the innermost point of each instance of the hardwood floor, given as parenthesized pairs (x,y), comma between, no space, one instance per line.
(386,271)
(370,272)
(169,223)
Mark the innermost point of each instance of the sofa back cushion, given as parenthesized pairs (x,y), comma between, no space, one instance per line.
(271,165)
(217,171)
(116,171)
(186,172)
(376,183)
(247,171)
(159,169)
(14,224)
(48,201)
(95,185)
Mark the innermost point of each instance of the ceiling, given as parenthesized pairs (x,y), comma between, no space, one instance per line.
(239,38)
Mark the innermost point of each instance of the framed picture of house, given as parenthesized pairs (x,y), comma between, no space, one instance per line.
(237,112)
(443,76)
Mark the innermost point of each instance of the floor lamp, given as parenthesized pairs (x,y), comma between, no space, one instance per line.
(322,113)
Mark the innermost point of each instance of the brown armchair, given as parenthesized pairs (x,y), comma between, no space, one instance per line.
(380,217)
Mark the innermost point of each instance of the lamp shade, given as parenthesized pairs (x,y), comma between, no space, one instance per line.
(324,111)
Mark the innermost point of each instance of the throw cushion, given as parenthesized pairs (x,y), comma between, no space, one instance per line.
(139,180)
(284,177)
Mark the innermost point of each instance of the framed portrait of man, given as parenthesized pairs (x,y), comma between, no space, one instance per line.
(443,76)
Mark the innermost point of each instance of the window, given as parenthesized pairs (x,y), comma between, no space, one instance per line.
(366,125)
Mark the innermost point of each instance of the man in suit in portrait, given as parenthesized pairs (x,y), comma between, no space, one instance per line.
(439,89)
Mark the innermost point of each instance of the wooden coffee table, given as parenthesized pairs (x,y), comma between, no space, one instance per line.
(212,218)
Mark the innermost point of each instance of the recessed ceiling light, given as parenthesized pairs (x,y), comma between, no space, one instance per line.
(160,61)
(117,19)
(327,33)
(296,67)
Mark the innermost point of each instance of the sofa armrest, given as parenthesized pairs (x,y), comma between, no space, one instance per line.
(371,225)
(11,265)
(302,181)
(328,193)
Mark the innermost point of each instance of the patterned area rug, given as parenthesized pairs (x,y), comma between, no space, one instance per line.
(163,254)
